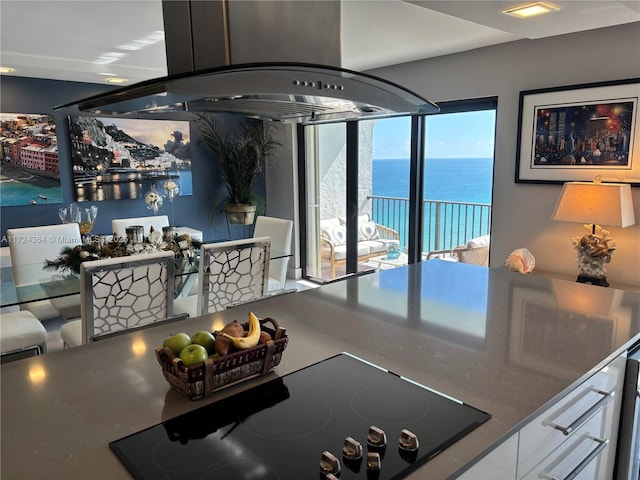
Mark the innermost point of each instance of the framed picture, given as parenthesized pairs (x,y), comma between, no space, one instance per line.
(578,132)
(115,158)
(29,167)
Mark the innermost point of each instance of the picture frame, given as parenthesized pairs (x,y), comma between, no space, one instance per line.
(119,159)
(578,132)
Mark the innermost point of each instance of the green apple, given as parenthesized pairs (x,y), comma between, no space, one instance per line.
(206,339)
(177,342)
(193,354)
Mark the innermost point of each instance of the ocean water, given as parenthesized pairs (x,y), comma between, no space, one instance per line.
(453,179)
(465,180)
(14,192)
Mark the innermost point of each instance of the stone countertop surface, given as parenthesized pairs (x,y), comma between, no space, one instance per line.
(505,343)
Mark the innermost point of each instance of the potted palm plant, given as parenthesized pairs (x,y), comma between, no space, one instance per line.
(240,153)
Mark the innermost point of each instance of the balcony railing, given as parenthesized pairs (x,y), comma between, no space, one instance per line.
(445,224)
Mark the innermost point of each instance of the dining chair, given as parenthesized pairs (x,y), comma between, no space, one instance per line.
(21,332)
(33,245)
(280,231)
(120,294)
(230,273)
(119,225)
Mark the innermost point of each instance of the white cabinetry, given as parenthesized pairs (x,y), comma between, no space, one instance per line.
(574,439)
(500,464)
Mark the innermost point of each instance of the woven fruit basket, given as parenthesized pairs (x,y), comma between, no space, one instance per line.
(213,374)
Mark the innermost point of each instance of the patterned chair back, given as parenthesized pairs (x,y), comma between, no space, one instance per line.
(232,272)
(125,293)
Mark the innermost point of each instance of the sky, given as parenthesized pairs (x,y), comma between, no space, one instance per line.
(452,135)
(152,132)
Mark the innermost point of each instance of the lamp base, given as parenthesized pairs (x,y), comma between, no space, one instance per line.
(599,281)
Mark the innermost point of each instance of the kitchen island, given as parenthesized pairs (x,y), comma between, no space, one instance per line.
(508,344)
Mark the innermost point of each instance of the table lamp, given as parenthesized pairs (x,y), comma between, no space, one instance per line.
(595,204)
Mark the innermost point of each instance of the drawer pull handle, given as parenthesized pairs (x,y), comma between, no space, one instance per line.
(578,422)
(601,445)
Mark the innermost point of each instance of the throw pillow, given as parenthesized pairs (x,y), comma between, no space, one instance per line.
(367,231)
(336,235)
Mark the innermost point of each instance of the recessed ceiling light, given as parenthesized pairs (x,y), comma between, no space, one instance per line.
(531,9)
(116,80)
(7,69)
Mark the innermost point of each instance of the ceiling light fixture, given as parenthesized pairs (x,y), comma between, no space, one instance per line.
(116,80)
(7,69)
(531,9)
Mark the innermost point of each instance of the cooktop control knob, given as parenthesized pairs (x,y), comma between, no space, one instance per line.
(373,461)
(408,441)
(351,449)
(376,437)
(329,463)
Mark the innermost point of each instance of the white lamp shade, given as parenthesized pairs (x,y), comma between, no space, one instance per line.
(607,204)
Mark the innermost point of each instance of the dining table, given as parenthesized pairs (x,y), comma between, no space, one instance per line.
(48,284)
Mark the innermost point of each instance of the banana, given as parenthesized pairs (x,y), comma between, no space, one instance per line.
(252,338)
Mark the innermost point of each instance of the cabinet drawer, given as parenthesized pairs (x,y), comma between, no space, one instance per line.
(558,424)
(584,456)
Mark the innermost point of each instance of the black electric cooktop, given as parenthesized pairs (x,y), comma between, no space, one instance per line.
(280,429)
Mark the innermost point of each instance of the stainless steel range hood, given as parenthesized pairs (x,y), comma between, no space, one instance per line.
(290,91)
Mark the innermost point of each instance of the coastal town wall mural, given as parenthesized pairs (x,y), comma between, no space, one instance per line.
(116,158)
(29,173)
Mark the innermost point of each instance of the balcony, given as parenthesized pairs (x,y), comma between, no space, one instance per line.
(446,224)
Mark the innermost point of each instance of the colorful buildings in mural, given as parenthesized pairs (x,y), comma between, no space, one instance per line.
(29,141)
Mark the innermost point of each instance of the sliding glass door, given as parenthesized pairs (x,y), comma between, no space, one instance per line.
(421,185)
(325,200)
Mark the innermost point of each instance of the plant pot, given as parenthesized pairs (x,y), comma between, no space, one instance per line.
(240,213)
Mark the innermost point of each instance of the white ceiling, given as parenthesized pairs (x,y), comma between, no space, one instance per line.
(72,39)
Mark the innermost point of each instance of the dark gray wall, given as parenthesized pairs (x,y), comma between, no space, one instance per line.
(32,95)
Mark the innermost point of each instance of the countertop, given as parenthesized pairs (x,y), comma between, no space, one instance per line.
(506,343)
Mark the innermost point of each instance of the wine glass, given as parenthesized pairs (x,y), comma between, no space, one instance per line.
(172,189)
(84,217)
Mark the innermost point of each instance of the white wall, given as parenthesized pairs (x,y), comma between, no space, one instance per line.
(522,212)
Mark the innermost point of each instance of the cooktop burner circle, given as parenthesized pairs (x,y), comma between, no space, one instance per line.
(195,456)
(242,470)
(302,415)
(384,405)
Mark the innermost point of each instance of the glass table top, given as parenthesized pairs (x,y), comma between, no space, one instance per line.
(46,284)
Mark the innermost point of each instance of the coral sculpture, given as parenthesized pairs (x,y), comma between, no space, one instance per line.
(594,251)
